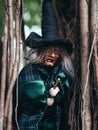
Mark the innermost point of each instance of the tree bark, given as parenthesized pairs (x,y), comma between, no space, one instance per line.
(3,75)
(94,35)
(85,82)
(11,41)
(1,47)
(16,61)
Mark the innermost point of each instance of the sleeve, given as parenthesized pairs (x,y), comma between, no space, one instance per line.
(32,93)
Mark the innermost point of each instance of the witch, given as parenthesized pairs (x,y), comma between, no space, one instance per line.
(43,84)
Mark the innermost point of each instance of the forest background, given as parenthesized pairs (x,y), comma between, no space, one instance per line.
(78,21)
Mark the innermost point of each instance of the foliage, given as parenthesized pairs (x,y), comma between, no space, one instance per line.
(1,17)
(33,7)
(32,10)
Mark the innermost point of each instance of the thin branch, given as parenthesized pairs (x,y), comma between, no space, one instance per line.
(11,40)
(9,125)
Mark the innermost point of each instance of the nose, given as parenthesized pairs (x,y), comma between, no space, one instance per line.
(53,53)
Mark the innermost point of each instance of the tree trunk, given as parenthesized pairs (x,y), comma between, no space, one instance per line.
(3,75)
(85,82)
(10,62)
(94,35)
(1,47)
(15,71)
(10,54)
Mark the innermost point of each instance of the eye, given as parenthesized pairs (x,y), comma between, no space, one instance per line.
(57,51)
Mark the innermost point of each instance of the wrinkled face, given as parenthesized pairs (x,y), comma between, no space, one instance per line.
(51,56)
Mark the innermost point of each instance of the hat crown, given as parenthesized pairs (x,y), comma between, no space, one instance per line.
(50,27)
(50,31)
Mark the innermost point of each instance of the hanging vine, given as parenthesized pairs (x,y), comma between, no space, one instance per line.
(10,60)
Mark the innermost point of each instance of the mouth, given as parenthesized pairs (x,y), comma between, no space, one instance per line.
(50,61)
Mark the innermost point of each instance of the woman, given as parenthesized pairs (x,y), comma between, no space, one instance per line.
(44,83)
(35,86)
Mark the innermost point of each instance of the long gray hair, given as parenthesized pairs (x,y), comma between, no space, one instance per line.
(37,55)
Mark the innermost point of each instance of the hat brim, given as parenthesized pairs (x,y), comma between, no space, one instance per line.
(35,41)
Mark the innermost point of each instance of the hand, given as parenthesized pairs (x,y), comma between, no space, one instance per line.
(63,79)
(50,101)
(53,92)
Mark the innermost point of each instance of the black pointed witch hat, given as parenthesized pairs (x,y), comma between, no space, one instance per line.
(50,31)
